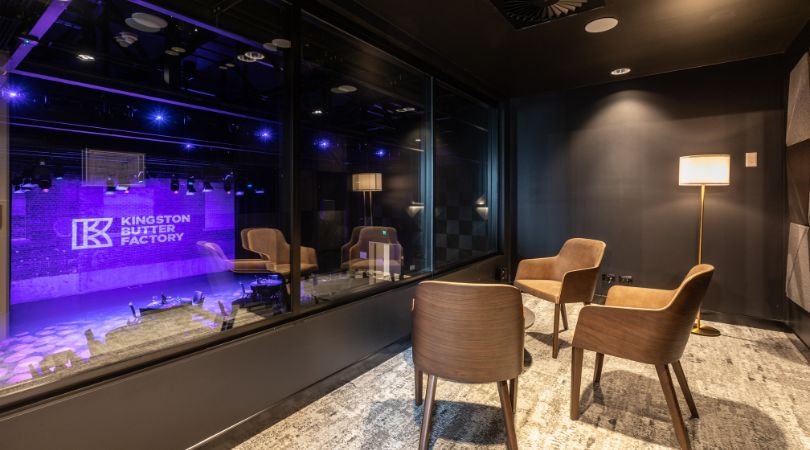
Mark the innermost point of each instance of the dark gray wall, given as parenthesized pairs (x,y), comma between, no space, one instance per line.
(180,403)
(602,162)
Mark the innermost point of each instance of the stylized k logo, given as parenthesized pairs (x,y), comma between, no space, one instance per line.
(91,233)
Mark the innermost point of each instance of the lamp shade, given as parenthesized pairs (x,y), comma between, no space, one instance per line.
(708,170)
(366,182)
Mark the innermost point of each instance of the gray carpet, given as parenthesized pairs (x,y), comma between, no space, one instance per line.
(751,386)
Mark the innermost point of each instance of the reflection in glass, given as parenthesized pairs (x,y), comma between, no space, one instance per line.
(363,120)
(148,214)
(465,171)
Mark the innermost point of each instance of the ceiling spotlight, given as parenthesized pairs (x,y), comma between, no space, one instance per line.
(264,134)
(44,184)
(245,59)
(317,112)
(601,25)
(417,140)
(207,186)
(380,152)
(405,109)
(171,53)
(224,67)
(178,49)
(85,57)
(259,190)
(188,147)
(175,184)
(323,143)
(270,46)
(230,64)
(620,71)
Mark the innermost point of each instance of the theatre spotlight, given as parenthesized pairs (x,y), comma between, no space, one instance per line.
(111,188)
(240,189)
(207,186)
(44,184)
(259,190)
(190,189)
(175,184)
(227,183)
(59,172)
(16,185)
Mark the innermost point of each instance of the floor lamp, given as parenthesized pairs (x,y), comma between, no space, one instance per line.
(367,183)
(704,170)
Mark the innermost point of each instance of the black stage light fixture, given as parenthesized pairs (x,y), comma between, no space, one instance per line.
(175,184)
(111,187)
(207,186)
(227,183)
(190,189)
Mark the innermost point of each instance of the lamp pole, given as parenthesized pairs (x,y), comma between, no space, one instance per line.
(703,330)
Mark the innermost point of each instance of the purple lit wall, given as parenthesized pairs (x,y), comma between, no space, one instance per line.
(74,239)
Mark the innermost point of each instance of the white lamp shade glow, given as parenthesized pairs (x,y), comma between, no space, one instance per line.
(366,182)
(708,170)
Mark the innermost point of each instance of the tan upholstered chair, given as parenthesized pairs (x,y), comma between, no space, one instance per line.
(469,333)
(569,277)
(650,326)
(344,249)
(273,247)
(359,253)
(234,265)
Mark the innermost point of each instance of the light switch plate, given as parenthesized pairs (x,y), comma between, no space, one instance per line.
(751,159)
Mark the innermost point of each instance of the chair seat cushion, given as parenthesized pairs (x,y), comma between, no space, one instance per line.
(546,289)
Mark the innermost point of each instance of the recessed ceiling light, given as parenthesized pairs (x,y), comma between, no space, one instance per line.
(344,89)
(224,67)
(254,55)
(244,58)
(270,46)
(171,53)
(229,64)
(317,112)
(85,57)
(179,49)
(405,109)
(601,25)
(281,43)
(620,71)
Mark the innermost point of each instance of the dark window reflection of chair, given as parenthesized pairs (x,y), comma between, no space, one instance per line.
(224,263)
(650,326)
(273,247)
(468,333)
(344,250)
(360,254)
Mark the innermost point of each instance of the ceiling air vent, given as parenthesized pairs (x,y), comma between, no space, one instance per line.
(526,13)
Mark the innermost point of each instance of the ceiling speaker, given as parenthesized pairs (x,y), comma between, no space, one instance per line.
(526,13)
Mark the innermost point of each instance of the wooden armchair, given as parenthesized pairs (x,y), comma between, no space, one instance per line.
(569,277)
(650,326)
(273,248)
(469,333)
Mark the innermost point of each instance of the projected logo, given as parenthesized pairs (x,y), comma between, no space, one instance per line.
(134,230)
(91,233)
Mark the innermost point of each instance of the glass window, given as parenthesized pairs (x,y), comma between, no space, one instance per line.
(465,173)
(148,195)
(363,152)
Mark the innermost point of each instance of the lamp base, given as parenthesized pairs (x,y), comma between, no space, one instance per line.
(705,330)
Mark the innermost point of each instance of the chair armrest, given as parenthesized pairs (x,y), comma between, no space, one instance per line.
(636,297)
(579,285)
(536,269)
(309,256)
(644,335)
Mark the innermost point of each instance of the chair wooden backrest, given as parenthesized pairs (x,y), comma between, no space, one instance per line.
(578,253)
(471,333)
(385,235)
(651,336)
(270,243)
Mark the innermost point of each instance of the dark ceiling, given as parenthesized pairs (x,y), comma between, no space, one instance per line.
(653,36)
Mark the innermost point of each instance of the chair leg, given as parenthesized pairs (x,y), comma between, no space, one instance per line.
(417,381)
(576,380)
(555,341)
(674,410)
(508,416)
(424,437)
(597,368)
(687,393)
(564,316)
(513,387)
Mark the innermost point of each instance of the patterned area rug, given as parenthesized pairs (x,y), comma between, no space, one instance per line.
(751,387)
